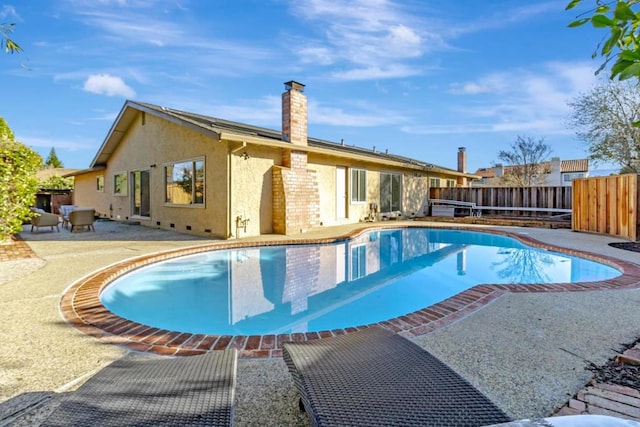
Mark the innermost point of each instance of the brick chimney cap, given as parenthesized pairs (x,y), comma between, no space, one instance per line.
(462,148)
(292,84)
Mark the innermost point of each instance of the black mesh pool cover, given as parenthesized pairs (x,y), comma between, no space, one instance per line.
(374,377)
(152,391)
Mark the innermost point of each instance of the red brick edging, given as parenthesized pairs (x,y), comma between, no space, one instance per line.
(81,306)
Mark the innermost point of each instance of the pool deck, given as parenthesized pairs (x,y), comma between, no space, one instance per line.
(518,345)
(82,308)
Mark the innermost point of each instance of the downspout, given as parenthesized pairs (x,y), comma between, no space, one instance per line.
(229,185)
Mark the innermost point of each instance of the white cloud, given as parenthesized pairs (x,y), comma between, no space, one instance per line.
(533,100)
(316,55)
(375,73)
(404,41)
(358,115)
(374,39)
(8,11)
(501,18)
(267,112)
(494,83)
(62,144)
(106,84)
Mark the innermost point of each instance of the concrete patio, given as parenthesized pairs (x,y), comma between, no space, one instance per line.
(525,351)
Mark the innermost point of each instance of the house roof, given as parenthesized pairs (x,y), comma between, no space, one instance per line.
(578,165)
(225,130)
(44,174)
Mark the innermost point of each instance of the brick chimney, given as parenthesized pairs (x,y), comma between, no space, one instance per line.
(555,174)
(462,160)
(462,165)
(294,114)
(296,195)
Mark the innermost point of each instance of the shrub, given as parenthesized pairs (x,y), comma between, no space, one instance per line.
(18,184)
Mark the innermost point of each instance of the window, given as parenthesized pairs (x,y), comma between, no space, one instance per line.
(100,183)
(390,192)
(358,262)
(434,182)
(571,176)
(140,192)
(358,186)
(184,183)
(451,183)
(120,184)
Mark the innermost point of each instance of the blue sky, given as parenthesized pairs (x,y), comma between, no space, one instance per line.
(417,77)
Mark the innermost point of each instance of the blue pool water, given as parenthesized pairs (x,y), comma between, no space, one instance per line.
(302,288)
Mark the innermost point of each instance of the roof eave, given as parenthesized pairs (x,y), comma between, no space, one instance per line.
(121,125)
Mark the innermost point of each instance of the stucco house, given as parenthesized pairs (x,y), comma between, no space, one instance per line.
(554,173)
(206,176)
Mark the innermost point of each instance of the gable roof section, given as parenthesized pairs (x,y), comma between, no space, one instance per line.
(220,129)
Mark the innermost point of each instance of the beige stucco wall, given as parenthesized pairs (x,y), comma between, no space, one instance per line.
(150,146)
(238,182)
(326,175)
(85,193)
(415,189)
(247,293)
(415,194)
(251,187)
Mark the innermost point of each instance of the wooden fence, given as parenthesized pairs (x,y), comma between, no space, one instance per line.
(508,197)
(607,205)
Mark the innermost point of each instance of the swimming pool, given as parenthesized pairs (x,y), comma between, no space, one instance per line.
(378,275)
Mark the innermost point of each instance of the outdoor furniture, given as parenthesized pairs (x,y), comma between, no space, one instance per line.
(445,207)
(146,390)
(374,377)
(64,211)
(82,217)
(44,219)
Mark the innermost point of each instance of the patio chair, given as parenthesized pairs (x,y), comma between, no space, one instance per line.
(44,219)
(64,211)
(155,391)
(82,217)
(374,377)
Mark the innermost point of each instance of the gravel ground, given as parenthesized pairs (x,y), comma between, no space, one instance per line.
(527,352)
(12,270)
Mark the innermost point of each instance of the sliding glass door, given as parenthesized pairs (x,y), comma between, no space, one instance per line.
(390,192)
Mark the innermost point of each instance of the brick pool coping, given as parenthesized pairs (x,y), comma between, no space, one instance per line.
(81,307)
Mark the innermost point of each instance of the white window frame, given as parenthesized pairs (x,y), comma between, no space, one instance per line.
(100,183)
(124,184)
(357,262)
(193,203)
(134,193)
(358,177)
(570,176)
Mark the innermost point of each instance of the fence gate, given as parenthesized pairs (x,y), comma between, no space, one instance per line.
(607,205)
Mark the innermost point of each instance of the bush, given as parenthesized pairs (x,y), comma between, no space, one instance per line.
(18,184)
(56,182)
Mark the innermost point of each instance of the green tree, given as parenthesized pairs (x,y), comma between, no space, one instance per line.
(622,21)
(527,157)
(52,161)
(605,117)
(56,182)
(6,43)
(5,131)
(18,184)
